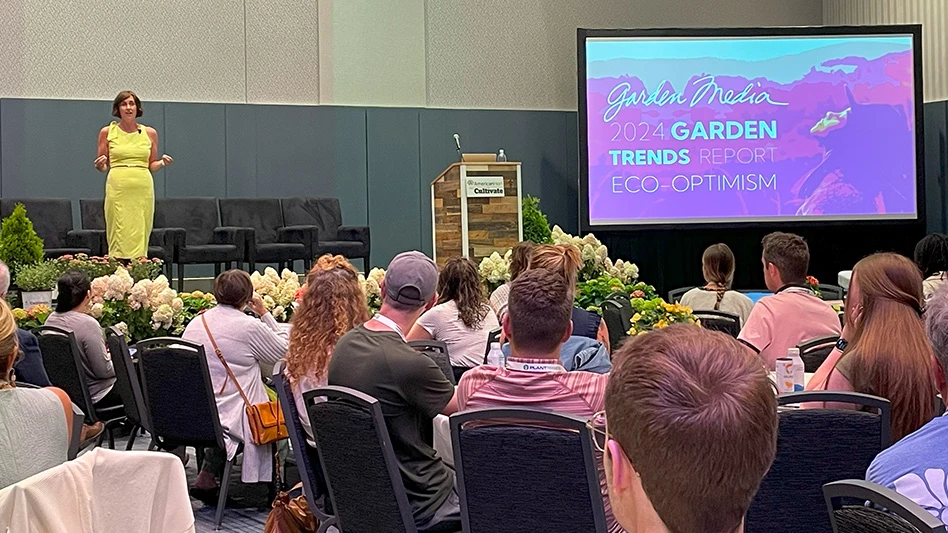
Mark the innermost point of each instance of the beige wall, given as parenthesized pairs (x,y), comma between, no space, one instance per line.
(498,54)
(931,14)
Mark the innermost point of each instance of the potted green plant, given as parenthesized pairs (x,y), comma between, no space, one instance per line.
(19,244)
(36,283)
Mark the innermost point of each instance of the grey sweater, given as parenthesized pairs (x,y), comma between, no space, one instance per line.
(96,360)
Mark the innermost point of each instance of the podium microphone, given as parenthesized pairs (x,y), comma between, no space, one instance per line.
(457,142)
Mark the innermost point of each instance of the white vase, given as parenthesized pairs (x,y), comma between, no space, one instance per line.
(31,298)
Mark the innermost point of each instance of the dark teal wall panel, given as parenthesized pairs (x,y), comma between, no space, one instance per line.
(195,138)
(394,185)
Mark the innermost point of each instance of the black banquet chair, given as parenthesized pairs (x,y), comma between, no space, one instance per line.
(351,242)
(617,313)
(492,337)
(179,399)
(127,383)
(815,447)
(65,370)
(504,459)
(356,454)
(719,321)
(307,460)
(901,515)
(437,351)
(815,351)
(52,221)
(674,295)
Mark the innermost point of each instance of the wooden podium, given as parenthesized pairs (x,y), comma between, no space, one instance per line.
(475,210)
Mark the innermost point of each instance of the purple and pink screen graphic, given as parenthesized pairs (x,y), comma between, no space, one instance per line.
(743,129)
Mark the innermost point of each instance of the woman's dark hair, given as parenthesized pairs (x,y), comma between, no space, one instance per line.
(459,281)
(233,288)
(73,287)
(122,96)
(931,254)
(520,258)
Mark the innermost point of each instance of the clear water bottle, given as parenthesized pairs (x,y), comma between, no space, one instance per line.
(784,377)
(798,368)
(495,357)
(501,156)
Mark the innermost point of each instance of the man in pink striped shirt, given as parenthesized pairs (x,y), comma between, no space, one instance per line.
(537,323)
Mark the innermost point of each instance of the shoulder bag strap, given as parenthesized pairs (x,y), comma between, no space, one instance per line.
(223,362)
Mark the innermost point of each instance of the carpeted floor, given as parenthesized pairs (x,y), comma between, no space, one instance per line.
(247,505)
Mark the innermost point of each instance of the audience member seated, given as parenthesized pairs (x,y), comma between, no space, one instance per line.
(536,324)
(916,466)
(463,317)
(29,365)
(883,350)
(519,262)
(717,265)
(332,304)
(245,343)
(565,260)
(690,431)
(34,433)
(931,256)
(791,315)
(375,359)
(72,314)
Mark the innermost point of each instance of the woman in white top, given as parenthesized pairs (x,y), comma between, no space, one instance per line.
(931,256)
(717,265)
(332,304)
(462,319)
(33,431)
(245,343)
(519,263)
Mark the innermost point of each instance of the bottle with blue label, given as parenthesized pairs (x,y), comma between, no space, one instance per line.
(501,156)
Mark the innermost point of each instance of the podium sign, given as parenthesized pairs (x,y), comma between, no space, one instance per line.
(475,210)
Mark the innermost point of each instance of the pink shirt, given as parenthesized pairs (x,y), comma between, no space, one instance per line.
(779,322)
(580,394)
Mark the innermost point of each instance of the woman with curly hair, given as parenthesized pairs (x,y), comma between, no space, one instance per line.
(332,304)
(463,317)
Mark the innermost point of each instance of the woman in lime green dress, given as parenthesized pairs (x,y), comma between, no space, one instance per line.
(129,151)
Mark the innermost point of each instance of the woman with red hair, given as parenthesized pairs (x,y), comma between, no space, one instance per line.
(884,350)
(332,304)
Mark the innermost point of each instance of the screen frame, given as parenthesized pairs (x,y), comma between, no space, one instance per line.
(915,30)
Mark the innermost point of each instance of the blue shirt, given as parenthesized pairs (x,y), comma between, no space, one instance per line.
(915,467)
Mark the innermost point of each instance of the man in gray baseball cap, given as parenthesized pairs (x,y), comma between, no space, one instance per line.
(375,359)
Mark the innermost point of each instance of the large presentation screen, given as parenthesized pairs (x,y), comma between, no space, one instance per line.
(794,125)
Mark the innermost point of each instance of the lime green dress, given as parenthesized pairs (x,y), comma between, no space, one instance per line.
(129,193)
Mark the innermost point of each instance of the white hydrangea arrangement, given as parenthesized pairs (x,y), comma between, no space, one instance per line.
(495,270)
(372,288)
(278,291)
(141,309)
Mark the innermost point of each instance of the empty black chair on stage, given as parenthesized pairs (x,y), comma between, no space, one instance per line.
(52,221)
(351,242)
(201,238)
(831,292)
(161,243)
(269,240)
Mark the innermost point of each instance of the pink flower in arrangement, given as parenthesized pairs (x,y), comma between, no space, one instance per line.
(810,280)
(299,294)
(638,294)
(67,256)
